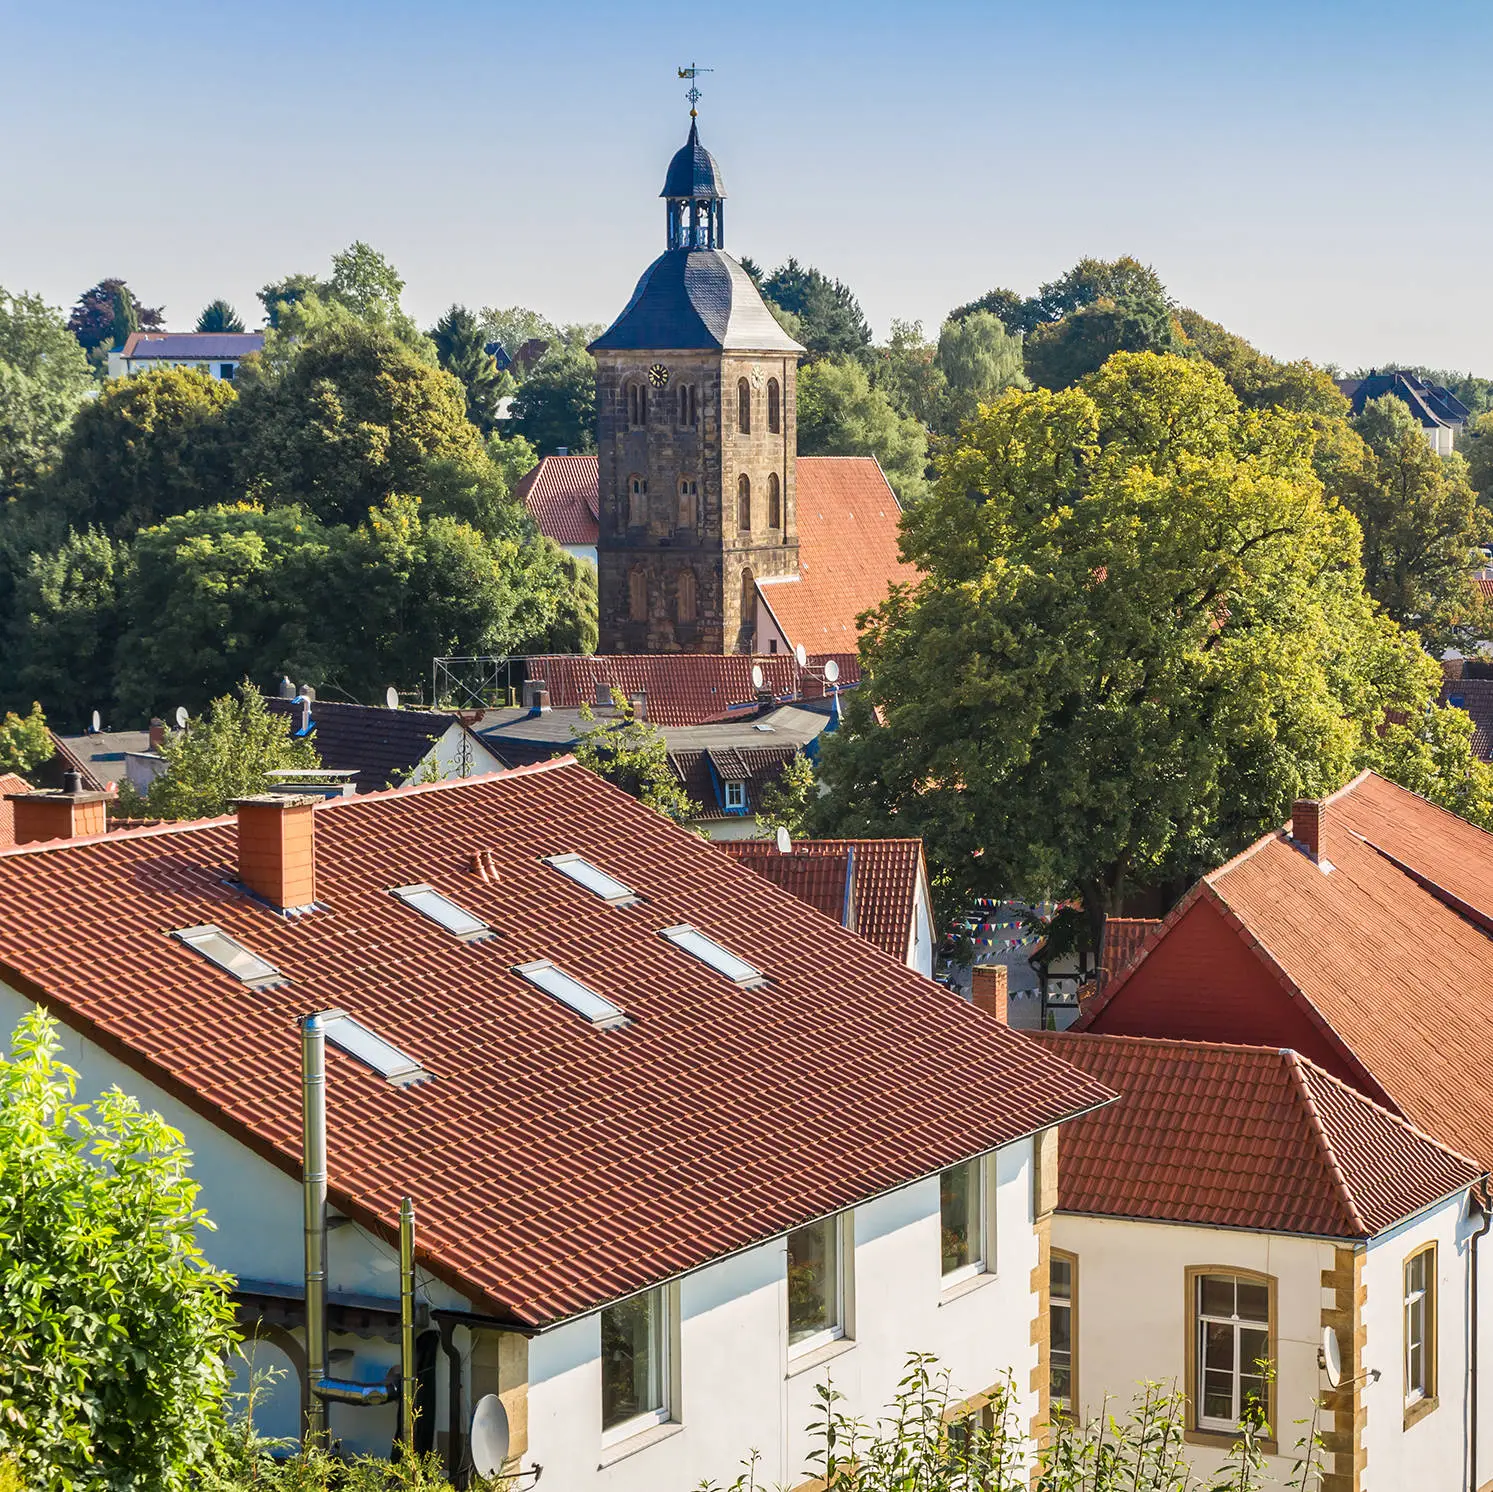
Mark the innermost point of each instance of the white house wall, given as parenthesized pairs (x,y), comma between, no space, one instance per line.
(920,941)
(446,757)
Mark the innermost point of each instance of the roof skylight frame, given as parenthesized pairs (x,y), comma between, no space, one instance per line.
(435,906)
(544,974)
(363,1044)
(714,955)
(225,952)
(591,877)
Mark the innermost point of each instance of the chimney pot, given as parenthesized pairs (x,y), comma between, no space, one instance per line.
(72,782)
(988,991)
(1307,816)
(277,848)
(639,703)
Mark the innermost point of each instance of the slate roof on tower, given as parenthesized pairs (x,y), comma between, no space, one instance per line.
(693,171)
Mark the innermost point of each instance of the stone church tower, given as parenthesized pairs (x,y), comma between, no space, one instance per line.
(696,438)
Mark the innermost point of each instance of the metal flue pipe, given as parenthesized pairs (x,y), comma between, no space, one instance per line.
(407,1323)
(314,1192)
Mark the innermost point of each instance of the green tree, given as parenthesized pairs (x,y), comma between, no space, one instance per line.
(1150,633)
(830,320)
(1477,450)
(219,316)
(1259,380)
(978,360)
(114,1327)
(1093,280)
(556,404)
(44,380)
(631,754)
(364,289)
(461,346)
(1059,353)
(786,799)
(1018,313)
(280,297)
(575,628)
(906,371)
(25,741)
(97,318)
(841,414)
(514,326)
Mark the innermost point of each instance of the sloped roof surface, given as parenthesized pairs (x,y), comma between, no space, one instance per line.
(1241,1137)
(848,520)
(1475,696)
(9,783)
(1123,938)
(693,171)
(822,880)
(554,1166)
(560,494)
(761,764)
(1430,403)
(886,873)
(192,344)
(101,756)
(379,744)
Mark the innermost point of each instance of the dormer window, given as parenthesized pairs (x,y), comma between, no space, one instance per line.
(736,796)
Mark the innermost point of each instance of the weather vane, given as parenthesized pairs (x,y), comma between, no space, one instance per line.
(692,72)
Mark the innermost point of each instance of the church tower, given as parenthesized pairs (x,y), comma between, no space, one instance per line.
(696,438)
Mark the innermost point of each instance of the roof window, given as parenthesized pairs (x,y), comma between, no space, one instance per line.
(441,909)
(708,951)
(230,956)
(584,1001)
(598,882)
(368,1047)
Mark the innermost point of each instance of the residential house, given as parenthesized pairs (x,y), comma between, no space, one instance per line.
(560,494)
(1471,689)
(1239,1206)
(679,1147)
(876,887)
(1438,411)
(108,758)
(217,354)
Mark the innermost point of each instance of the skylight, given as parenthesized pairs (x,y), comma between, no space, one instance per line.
(370,1048)
(442,910)
(230,956)
(598,882)
(708,951)
(585,1002)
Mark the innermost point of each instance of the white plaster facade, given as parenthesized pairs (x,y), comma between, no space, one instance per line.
(460,752)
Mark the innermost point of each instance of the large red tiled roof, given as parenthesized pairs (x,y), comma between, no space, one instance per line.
(560,494)
(9,783)
(821,879)
(684,688)
(886,874)
(1388,955)
(554,1166)
(1242,1137)
(848,524)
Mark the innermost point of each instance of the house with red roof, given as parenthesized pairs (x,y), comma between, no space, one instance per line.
(560,494)
(1241,1205)
(679,1147)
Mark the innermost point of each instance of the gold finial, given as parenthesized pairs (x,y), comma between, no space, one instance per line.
(692,72)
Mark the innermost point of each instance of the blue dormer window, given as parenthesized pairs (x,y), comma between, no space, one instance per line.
(736,797)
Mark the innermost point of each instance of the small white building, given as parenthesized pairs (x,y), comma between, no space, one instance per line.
(217,354)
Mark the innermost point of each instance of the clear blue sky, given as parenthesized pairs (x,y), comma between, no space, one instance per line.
(1313,174)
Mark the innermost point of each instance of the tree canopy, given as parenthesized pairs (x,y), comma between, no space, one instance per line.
(830,320)
(840,413)
(631,754)
(461,346)
(219,316)
(363,287)
(44,381)
(104,314)
(978,359)
(556,404)
(25,741)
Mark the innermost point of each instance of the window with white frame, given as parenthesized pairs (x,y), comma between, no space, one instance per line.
(636,1342)
(1062,1342)
(1420,1326)
(816,1284)
(961,1218)
(1232,1336)
(736,795)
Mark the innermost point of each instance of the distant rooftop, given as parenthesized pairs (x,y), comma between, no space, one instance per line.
(204,345)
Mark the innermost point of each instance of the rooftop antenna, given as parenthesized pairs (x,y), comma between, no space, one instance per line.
(692,72)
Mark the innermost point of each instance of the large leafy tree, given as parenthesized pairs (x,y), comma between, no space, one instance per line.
(830,320)
(1060,352)
(363,287)
(1476,446)
(25,741)
(576,627)
(219,316)
(107,311)
(978,359)
(1259,380)
(1142,632)
(840,413)
(556,404)
(906,370)
(461,346)
(114,1328)
(44,379)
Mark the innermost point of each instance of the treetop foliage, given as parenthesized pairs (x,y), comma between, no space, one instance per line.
(106,312)
(631,754)
(219,316)
(25,741)
(840,413)
(829,317)
(44,381)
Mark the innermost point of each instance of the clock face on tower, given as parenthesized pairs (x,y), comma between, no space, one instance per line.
(658,376)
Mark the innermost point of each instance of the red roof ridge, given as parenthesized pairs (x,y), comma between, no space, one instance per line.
(1345,1194)
(112,836)
(446,784)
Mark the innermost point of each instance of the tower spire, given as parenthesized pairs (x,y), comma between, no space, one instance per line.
(694,193)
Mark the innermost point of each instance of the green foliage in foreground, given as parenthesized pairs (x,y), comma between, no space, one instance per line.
(631,754)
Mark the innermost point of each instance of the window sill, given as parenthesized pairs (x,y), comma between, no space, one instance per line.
(622,1449)
(1225,1442)
(1417,1411)
(807,1361)
(960,1288)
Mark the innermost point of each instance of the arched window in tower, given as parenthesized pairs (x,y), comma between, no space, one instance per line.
(744,502)
(687,601)
(637,594)
(743,406)
(689,502)
(637,501)
(774,502)
(774,408)
(686,406)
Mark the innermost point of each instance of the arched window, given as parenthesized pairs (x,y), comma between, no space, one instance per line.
(687,603)
(748,638)
(743,406)
(637,502)
(686,406)
(774,407)
(743,502)
(774,502)
(637,594)
(637,405)
(689,500)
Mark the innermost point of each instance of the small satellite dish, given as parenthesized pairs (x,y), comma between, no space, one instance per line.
(489,1436)
(802,654)
(785,841)
(758,677)
(391,697)
(1332,1357)
(181,717)
(96,723)
(831,671)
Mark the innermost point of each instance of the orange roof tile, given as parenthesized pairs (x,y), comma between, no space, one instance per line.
(1123,939)
(1242,1137)
(9,783)
(554,1166)
(821,879)
(560,494)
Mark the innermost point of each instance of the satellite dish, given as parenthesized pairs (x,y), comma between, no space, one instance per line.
(758,677)
(98,724)
(831,671)
(785,841)
(802,654)
(489,1436)
(181,717)
(391,697)
(1332,1357)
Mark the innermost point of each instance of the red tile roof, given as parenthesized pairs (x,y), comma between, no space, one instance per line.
(1123,939)
(1388,956)
(9,783)
(821,879)
(1475,696)
(554,1166)
(683,688)
(560,494)
(848,521)
(1242,1137)
(886,874)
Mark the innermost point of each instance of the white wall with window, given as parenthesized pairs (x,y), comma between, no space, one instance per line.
(682,1383)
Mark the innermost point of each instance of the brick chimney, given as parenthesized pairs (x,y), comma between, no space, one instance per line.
(988,990)
(65,813)
(277,848)
(639,703)
(157,733)
(1307,825)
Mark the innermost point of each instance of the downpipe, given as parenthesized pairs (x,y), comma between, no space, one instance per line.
(1472,1352)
